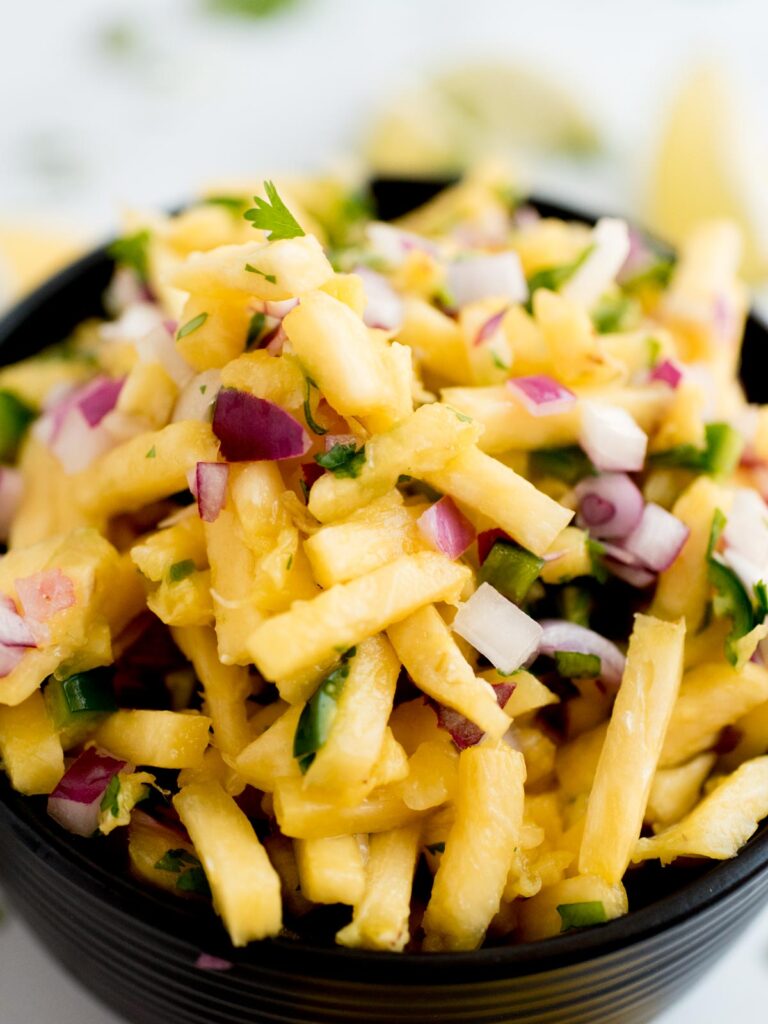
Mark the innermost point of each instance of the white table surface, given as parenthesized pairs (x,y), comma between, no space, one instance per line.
(85,130)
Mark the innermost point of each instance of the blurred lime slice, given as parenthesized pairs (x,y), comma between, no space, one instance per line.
(711,163)
(28,255)
(477,111)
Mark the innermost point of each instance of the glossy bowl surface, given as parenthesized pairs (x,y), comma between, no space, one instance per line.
(136,949)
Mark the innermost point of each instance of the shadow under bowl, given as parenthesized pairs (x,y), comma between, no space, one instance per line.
(136,948)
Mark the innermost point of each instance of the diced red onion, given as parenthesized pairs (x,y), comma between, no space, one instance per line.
(668,372)
(384,307)
(658,538)
(196,399)
(206,962)
(486,540)
(14,631)
(274,342)
(77,445)
(611,438)
(99,397)
(75,803)
(44,594)
(445,528)
(486,275)
(211,489)
(610,505)
(634,575)
(310,472)
(497,628)
(252,429)
(610,248)
(463,732)
(746,529)
(542,395)
(393,245)
(490,326)
(561,635)
(11,493)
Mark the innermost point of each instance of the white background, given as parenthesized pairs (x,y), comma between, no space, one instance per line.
(85,130)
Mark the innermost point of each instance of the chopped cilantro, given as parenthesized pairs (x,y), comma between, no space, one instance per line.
(343,460)
(255,270)
(249,8)
(460,415)
(180,570)
(574,665)
(718,525)
(554,278)
(193,880)
(498,362)
(255,327)
(152,453)
(654,351)
(203,388)
(657,274)
(614,313)
(272,215)
(312,423)
(235,204)
(131,251)
(176,860)
(581,915)
(110,802)
(761,600)
(192,325)
(289,563)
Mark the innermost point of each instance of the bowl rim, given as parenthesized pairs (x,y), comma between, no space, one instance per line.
(164,914)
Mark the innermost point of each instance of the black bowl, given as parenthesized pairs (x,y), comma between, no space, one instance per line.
(137,948)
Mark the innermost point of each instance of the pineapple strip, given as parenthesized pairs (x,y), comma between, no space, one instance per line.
(161,739)
(331,870)
(341,355)
(367,539)
(684,588)
(632,747)
(46,508)
(539,917)
(509,425)
(220,336)
(184,602)
(479,850)
(154,554)
(232,587)
(245,886)
(381,916)
(225,687)
(30,747)
(530,517)
(346,762)
(426,648)
(675,791)
(297,265)
(335,620)
(424,442)
(269,757)
(711,697)
(277,379)
(144,469)
(718,826)
(436,339)
(528,695)
(303,815)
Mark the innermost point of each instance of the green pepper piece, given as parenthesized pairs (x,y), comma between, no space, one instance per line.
(574,665)
(318,715)
(732,601)
(719,457)
(510,569)
(568,464)
(15,417)
(581,915)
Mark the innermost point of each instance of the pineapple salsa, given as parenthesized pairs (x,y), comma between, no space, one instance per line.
(417,569)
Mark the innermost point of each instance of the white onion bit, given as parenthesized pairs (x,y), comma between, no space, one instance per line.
(498,629)
(658,538)
(611,438)
(611,245)
(485,275)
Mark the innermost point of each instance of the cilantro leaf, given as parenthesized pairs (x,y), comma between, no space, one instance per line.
(152,453)
(553,278)
(191,325)
(312,423)
(255,327)
(343,460)
(235,204)
(175,861)
(131,251)
(255,270)
(436,848)
(194,880)
(761,600)
(272,215)
(180,570)
(109,802)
